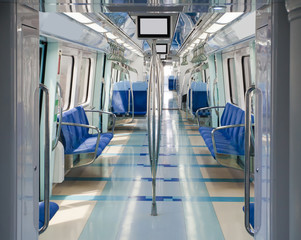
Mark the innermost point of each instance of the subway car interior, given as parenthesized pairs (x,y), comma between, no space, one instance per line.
(150,119)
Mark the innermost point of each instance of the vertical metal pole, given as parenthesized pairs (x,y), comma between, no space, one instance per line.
(153,83)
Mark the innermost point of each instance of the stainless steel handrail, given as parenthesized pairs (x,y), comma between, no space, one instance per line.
(208,90)
(205,108)
(132,94)
(248,131)
(58,133)
(97,141)
(221,128)
(154,205)
(105,112)
(46,161)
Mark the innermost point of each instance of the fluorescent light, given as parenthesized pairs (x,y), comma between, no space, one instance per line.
(126,45)
(111,36)
(119,41)
(96,27)
(79,17)
(229,17)
(214,28)
(203,36)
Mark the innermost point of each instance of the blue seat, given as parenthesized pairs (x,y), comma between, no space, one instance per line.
(53,208)
(172,83)
(228,141)
(140,98)
(77,139)
(199,98)
(120,98)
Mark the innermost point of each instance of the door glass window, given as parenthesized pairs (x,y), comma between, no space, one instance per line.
(84,80)
(67,67)
(232,81)
(246,69)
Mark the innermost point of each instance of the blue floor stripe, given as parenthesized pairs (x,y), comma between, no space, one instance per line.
(159,165)
(161,154)
(145,145)
(144,134)
(109,179)
(148,198)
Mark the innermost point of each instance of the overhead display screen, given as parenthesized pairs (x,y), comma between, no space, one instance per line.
(153,27)
(161,48)
(163,57)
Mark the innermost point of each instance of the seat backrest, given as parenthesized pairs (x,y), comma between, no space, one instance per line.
(72,136)
(234,115)
(140,97)
(121,86)
(140,86)
(120,98)
(199,96)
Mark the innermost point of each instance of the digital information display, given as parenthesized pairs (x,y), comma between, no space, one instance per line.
(153,27)
(161,48)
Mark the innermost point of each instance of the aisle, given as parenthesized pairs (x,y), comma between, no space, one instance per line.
(111,199)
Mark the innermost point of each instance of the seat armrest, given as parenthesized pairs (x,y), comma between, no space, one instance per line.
(105,112)
(203,109)
(87,126)
(221,128)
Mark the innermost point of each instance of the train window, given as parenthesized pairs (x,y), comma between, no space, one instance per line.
(84,80)
(67,66)
(232,81)
(246,70)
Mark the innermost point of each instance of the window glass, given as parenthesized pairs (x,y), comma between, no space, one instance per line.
(246,69)
(84,80)
(232,81)
(67,65)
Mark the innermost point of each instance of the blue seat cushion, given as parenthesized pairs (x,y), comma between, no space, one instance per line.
(89,144)
(53,208)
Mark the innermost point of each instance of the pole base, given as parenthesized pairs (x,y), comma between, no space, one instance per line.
(154,210)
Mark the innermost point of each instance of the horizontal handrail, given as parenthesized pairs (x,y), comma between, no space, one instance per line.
(105,112)
(205,108)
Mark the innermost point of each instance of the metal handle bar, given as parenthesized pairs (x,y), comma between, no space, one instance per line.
(58,134)
(97,141)
(46,161)
(248,130)
(105,112)
(205,108)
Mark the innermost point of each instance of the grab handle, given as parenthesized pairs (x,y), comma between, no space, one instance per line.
(47,158)
(248,130)
(58,134)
